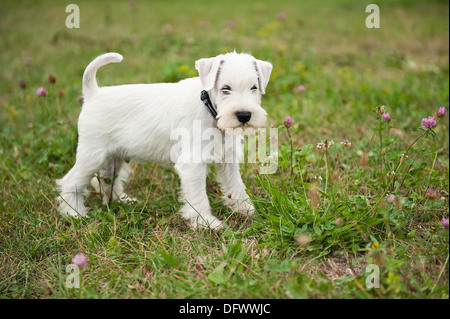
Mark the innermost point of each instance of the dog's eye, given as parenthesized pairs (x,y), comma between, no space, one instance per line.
(226,90)
(254,88)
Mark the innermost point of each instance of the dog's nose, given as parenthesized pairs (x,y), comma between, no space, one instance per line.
(243,117)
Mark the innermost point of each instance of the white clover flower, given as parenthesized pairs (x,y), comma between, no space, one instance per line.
(346,144)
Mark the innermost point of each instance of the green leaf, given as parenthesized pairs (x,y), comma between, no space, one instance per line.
(308,152)
(218,276)
(317,230)
(169,259)
(285,265)
(113,243)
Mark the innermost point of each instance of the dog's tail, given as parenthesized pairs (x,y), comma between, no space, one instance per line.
(89,80)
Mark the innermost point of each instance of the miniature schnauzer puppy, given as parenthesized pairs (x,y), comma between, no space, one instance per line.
(136,122)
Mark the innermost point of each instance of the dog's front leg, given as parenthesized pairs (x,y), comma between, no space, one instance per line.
(196,209)
(233,188)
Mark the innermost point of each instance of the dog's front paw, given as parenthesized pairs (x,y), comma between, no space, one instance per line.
(200,222)
(246,208)
(67,210)
(242,206)
(200,218)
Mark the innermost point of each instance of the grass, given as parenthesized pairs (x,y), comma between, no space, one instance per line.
(322,218)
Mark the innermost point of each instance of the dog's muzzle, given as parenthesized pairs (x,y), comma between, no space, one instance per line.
(243,117)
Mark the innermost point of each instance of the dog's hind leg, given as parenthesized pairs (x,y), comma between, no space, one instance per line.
(73,186)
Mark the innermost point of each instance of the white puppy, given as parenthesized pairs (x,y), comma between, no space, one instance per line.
(137,122)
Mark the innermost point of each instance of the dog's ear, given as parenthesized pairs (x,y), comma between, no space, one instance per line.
(263,68)
(208,70)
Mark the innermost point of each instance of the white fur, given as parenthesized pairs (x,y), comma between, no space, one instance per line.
(134,122)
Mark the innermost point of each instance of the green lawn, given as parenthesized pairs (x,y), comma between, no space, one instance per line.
(322,218)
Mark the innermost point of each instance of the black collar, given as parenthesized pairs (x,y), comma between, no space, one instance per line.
(204,96)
